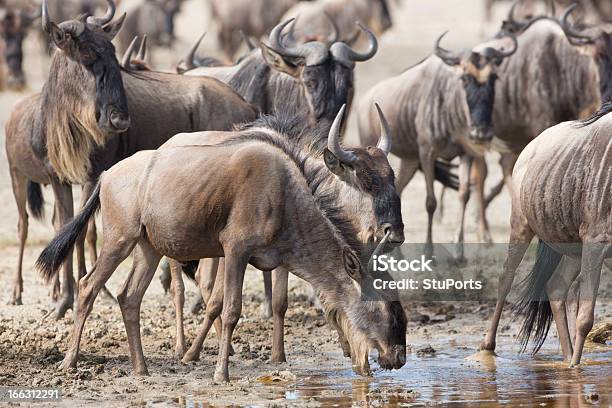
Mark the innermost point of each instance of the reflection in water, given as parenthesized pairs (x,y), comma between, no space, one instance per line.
(458,379)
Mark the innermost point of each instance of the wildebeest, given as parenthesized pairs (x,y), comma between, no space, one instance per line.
(442,107)
(153,18)
(360,180)
(312,18)
(315,77)
(15,22)
(254,18)
(568,82)
(562,188)
(197,202)
(89,97)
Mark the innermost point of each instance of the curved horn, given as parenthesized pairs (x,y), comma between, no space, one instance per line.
(142,51)
(46,21)
(506,54)
(343,52)
(189,59)
(276,42)
(511,17)
(384,143)
(448,57)
(247,41)
(127,55)
(335,31)
(569,29)
(106,18)
(333,139)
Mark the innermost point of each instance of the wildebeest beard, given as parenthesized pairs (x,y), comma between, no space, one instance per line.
(480,98)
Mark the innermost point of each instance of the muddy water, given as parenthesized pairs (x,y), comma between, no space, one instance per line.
(451,377)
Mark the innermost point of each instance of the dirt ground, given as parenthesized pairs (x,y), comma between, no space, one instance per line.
(441,335)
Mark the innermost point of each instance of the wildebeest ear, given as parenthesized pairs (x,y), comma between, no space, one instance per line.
(112,28)
(277,62)
(333,163)
(351,264)
(58,36)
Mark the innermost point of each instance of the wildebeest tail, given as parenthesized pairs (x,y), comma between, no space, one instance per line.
(443,173)
(190,268)
(54,255)
(36,201)
(533,301)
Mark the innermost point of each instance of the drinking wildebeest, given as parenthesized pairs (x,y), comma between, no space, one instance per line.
(15,22)
(254,18)
(568,83)
(313,80)
(361,182)
(562,188)
(197,202)
(87,96)
(442,107)
(312,18)
(153,18)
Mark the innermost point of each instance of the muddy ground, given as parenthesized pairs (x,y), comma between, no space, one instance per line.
(440,335)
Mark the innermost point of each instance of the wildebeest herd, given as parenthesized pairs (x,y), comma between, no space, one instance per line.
(225,164)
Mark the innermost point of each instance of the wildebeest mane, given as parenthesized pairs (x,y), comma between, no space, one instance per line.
(313,175)
(605,109)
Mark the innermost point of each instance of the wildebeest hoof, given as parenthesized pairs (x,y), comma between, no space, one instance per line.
(231,351)
(221,376)
(486,346)
(179,352)
(279,358)
(141,372)
(61,308)
(196,307)
(190,356)
(67,363)
(15,301)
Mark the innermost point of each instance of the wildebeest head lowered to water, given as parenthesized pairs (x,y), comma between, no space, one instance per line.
(478,76)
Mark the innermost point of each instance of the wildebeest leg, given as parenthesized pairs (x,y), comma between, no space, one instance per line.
(145,263)
(207,271)
(266,306)
(235,266)
(164,277)
(55,286)
(80,243)
(507,161)
(573,296)
(520,237)
(465,166)
(427,166)
(480,174)
(19,183)
(440,213)
(178,292)
(280,287)
(557,287)
(590,272)
(113,252)
(91,238)
(65,212)
(214,305)
(405,174)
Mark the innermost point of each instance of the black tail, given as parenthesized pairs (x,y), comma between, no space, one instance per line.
(36,201)
(533,301)
(190,268)
(54,255)
(443,173)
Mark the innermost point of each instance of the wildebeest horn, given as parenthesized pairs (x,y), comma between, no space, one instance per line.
(511,17)
(573,36)
(384,143)
(246,40)
(189,60)
(276,42)
(343,52)
(127,56)
(106,18)
(552,8)
(448,57)
(335,30)
(333,139)
(46,22)
(506,54)
(142,51)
